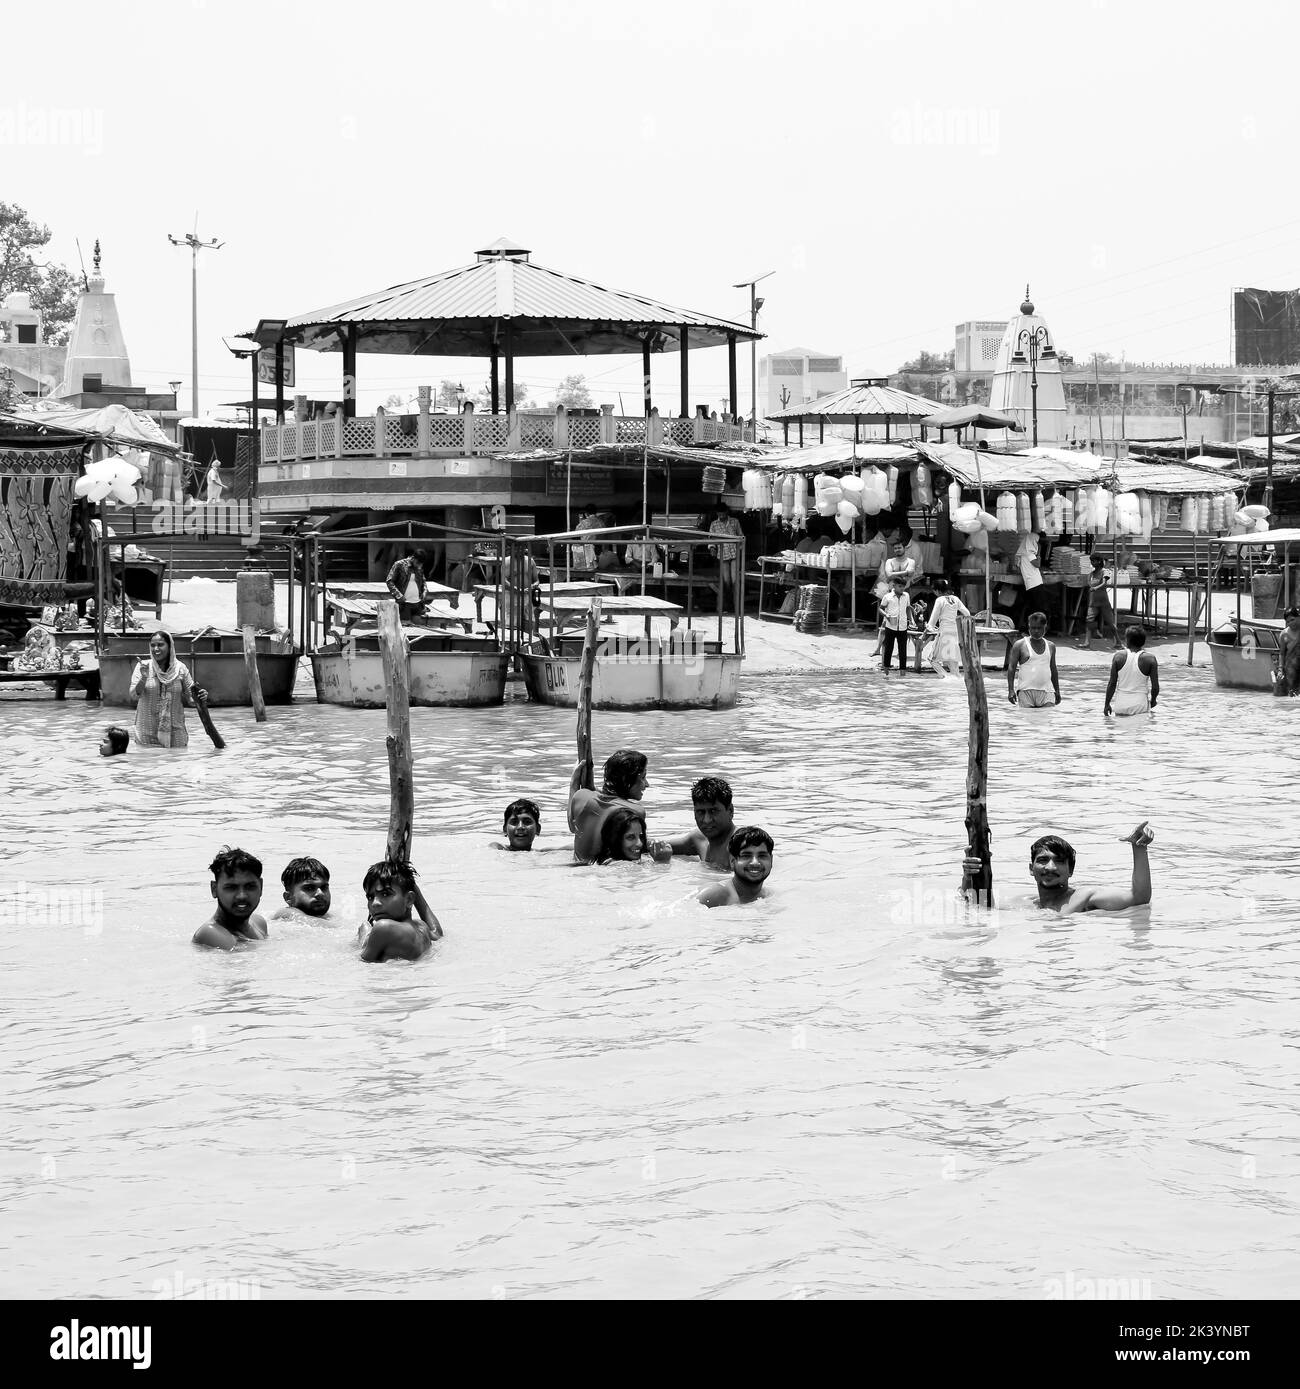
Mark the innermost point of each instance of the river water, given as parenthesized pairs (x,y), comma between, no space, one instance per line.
(592,1086)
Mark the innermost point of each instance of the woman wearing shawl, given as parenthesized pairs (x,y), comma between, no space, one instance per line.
(164,687)
(38,653)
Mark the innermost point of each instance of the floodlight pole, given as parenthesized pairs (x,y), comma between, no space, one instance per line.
(195,245)
(754,303)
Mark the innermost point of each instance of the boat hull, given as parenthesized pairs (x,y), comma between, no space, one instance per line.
(654,682)
(222,673)
(437,679)
(1244,653)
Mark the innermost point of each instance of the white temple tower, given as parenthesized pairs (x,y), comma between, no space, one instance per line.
(1028,353)
(96,347)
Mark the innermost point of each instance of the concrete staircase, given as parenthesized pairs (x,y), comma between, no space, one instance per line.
(221,557)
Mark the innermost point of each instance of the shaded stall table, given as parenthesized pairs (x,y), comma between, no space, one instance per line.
(575,588)
(87,678)
(571,609)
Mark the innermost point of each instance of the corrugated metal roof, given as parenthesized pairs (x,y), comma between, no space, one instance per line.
(867,403)
(1066,468)
(462,311)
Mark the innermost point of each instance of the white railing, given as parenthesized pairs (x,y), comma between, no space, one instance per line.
(426,434)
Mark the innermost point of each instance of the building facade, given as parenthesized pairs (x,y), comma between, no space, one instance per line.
(796,376)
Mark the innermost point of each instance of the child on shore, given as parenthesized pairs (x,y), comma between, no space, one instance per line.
(391,932)
(750,859)
(715,822)
(306,889)
(237,887)
(115,741)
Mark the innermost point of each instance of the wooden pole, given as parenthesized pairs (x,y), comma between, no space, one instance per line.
(586,674)
(977,767)
(254,675)
(201,705)
(397,698)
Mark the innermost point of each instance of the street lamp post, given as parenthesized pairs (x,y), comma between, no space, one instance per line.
(755,303)
(191,240)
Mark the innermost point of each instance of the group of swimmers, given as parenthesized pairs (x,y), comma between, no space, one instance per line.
(608,826)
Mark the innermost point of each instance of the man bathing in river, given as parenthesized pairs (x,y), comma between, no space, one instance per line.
(715,822)
(392,932)
(237,887)
(750,860)
(1134,684)
(1032,681)
(306,889)
(1051,862)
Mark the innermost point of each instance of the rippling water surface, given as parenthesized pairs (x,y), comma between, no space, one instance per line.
(595,1087)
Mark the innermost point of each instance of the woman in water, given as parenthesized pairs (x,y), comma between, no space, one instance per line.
(623,839)
(163,687)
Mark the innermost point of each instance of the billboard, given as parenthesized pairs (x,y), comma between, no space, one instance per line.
(1265,326)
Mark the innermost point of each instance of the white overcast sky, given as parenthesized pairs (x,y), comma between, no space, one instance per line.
(901,167)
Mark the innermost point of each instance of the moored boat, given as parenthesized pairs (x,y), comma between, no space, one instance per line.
(215,660)
(444,670)
(1245,650)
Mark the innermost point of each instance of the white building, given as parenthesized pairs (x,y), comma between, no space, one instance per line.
(36,367)
(977,344)
(796,376)
(1027,355)
(97,354)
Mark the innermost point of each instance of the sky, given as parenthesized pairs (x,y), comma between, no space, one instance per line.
(899,168)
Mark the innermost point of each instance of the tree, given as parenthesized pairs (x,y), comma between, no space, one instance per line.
(930,361)
(572,393)
(53,288)
(450,394)
(483,400)
(397,401)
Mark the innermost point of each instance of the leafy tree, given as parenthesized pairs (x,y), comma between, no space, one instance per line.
(449,394)
(572,393)
(931,361)
(483,400)
(397,401)
(53,288)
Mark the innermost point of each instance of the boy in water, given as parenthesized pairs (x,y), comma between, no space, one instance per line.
(715,821)
(237,887)
(521,824)
(1032,681)
(1051,862)
(392,933)
(1134,684)
(625,783)
(750,860)
(306,889)
(116,741)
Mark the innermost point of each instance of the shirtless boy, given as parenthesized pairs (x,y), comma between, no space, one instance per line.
(306,889)
(715,822)
(750,860)
(625,783)
(392,933)
(521,824)
(115,742)
(237,887)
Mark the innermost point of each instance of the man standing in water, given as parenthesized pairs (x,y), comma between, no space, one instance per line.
(1032,682)
(1134,684)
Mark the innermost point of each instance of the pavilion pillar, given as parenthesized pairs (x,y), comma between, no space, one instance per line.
(350,373)
(821,429)
(686,375)
(731,371)
(510,368)
(496,379)
(856,421)
(645,372)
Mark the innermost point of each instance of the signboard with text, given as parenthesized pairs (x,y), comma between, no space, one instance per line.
(266,366)
(587,481)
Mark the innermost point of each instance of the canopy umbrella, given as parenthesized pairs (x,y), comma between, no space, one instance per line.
(972,417)
(865,402)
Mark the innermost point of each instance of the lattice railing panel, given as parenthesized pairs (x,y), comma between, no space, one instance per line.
(535,433)
(288,441)
(307,441)
(446,431)
(396,438)
(583,433)
(491,431)
(358,436)
(679,431)
(327,438)
(270,444)
(629,430)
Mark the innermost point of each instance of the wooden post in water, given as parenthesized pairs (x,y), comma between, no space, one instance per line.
(977,767)
(201,705)
(397,698)
(254,675)
(584,773)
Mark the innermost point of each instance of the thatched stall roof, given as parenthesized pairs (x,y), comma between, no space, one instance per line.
(1035,468)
